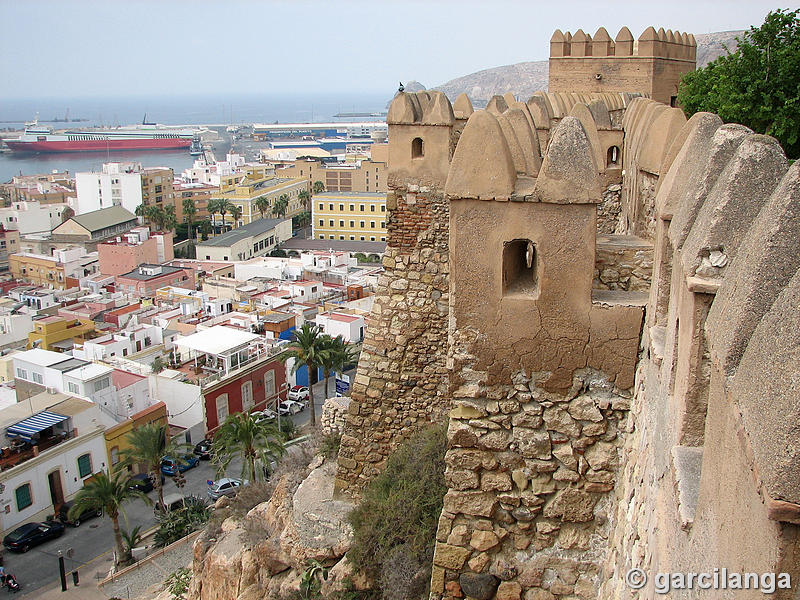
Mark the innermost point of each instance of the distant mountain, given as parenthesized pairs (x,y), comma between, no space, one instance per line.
(523,79)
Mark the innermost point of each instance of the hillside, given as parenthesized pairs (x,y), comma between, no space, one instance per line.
(523,79)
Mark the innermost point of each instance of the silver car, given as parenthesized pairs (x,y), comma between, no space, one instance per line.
(226,486)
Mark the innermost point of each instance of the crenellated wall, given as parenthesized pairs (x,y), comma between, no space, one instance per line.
(653,64)
(710,475)
(616,355)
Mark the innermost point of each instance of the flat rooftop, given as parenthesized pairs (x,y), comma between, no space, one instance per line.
(245,231)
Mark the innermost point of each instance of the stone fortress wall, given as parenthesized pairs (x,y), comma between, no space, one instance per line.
(653,63)
(616,355)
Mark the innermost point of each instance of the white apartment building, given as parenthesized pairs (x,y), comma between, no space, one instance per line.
(125,343)
(350,327)
(29,217)
(118,184)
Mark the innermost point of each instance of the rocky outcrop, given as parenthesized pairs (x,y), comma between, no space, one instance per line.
(264,553)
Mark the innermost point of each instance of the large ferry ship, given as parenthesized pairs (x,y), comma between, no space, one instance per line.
(141,137)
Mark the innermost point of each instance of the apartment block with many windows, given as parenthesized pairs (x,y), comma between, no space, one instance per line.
(349,216)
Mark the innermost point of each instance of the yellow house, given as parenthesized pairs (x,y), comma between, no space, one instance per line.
(38,269)
(351,216)
(47,332)
(247,191)
(116,437)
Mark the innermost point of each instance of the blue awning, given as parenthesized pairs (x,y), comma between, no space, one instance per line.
(29,427)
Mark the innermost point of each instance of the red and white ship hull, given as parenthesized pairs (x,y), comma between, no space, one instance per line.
(43,140)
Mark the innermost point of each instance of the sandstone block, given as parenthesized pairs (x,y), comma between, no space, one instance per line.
(571,505)
(450,557)
(520,479)
(563,452)
(478,562)
(558,419)
(494,480)
(483,540)
(461,435)
(471,459)
(532,443)
(461,479)
(539,594)
(437,580)
(509,590)
(601,455)
(459,536)
(465,411)
(495,440)
(470,503)
(583,408)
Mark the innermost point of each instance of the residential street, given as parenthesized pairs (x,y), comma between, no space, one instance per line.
(93,542)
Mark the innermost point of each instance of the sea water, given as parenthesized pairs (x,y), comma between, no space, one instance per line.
(169,110)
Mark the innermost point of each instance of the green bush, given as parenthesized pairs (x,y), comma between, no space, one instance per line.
(175,524)
(288,429)
(178,583)
(329,444)
(401,506)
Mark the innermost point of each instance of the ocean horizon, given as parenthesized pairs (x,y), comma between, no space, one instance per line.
(168,110)
(188,109)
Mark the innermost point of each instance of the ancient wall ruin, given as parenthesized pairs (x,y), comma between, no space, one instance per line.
(616,355)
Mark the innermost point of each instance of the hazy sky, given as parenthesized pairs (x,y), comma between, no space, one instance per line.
(139,47)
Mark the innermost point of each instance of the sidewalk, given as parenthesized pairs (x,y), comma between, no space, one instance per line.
(86,591)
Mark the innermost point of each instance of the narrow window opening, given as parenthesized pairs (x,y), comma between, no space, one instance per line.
(613,156)
(417,148)
(520,268)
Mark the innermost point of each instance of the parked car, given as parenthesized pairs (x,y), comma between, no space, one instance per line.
(172,502)
(63,515)
(290,407)
(299,393)
(170,466)
(25,537)
(202,449)
(265,415)
(226,486)
(143,483)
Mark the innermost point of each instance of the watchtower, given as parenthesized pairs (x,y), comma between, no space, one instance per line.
(653,64)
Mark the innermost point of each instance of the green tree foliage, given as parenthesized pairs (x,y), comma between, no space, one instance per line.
(401,507)
(262,205)
(217,205)
(335,356)
(318,187)
(189,213)
(147,445)
(108,493)
(253,441)
(758,85)
(305,198)
(281,205)
(178,523)
(307,348)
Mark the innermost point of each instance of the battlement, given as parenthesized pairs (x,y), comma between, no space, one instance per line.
(651,44)
(653,64)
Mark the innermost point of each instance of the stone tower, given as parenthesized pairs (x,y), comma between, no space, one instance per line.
(653,64)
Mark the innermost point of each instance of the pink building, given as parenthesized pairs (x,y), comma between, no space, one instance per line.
(147,278)
(138,247)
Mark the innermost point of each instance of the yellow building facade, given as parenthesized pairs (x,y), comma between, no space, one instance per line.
(350,216)
(37,269)
(247,191)
(117,436)
(358,176)
(49,331)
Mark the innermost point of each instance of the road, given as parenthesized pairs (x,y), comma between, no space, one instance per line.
(93,542)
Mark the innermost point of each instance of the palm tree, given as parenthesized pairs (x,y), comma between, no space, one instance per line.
(189,212)
(236,214)
(318,187)
(156,215)
(108,494)
(262,205)
(243,435)
(305,198)
(205,228)
(141,211)
(307,349)
(303,219)
(148,444)
(343,354)
(170,221)
(216,205)
(280,206)
(224,208)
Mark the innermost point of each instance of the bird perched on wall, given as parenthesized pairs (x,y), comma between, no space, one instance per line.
(401,88)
